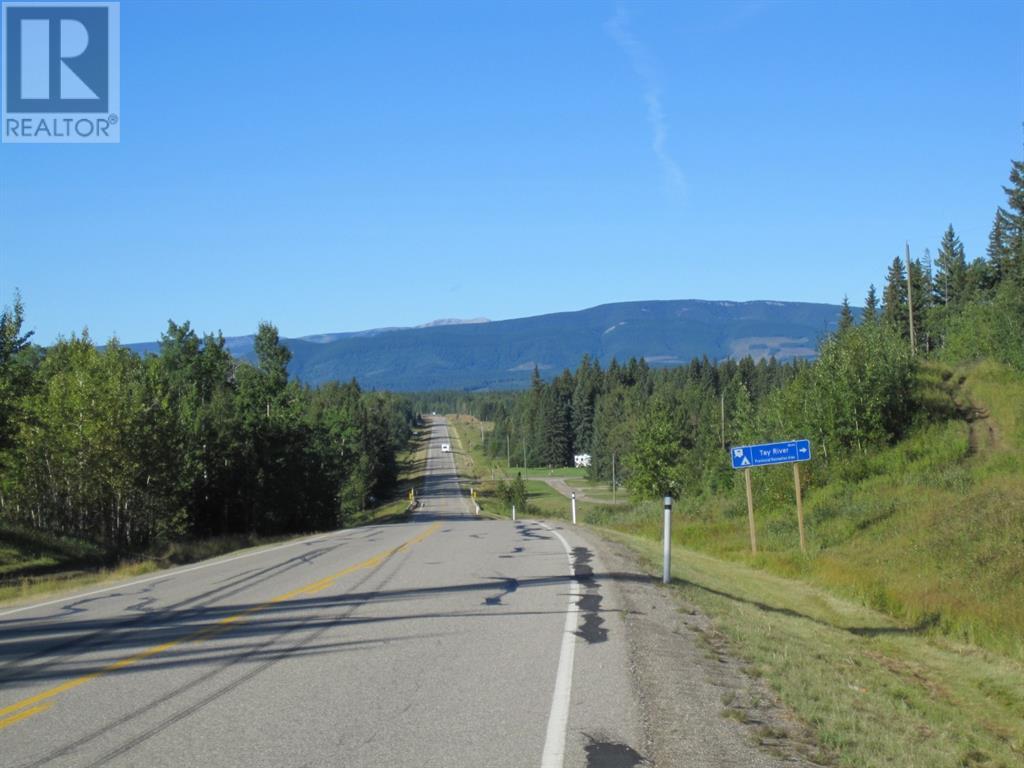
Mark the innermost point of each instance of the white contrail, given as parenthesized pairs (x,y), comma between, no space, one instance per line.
(618,28)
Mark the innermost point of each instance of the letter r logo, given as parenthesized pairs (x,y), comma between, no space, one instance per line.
(56,58)
(35,59)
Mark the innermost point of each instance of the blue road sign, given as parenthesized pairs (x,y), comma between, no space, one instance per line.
(744,456)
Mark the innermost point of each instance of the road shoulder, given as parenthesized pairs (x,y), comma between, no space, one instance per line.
(698,704)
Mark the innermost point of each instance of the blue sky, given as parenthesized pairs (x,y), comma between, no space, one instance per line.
(339,166)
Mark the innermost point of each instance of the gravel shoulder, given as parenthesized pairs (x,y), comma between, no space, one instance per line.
(698,704)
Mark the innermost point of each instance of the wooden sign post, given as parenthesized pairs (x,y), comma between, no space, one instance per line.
(799,507)
(750,511)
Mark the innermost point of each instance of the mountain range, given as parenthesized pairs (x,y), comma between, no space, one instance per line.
(481,354)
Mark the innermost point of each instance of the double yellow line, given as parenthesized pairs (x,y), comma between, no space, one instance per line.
(40,702)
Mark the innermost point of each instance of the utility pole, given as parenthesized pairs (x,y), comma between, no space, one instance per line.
(910,301)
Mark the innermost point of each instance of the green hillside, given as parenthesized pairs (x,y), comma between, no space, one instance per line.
(929,530)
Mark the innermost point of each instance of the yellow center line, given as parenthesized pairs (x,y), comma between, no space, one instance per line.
(23,715)
(7,718)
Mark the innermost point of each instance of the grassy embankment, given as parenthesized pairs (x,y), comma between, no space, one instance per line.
(900,636)
(33,563)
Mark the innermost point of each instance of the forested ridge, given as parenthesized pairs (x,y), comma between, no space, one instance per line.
(500,354)
(130,452)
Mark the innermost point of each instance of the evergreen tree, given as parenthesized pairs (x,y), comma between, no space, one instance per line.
(979,280)
(998,250)
(870,306)
(587,383)
(920,283)
(742,428)
(16,367)
(950,270)
(894,298)
(845,315)
(554,432)
(1013,224)
(533,421)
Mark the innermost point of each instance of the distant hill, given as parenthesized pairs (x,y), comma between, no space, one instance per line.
(482,354)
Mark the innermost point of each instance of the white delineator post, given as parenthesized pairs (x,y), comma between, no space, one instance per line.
(574,508)
(666,574)
(513,511)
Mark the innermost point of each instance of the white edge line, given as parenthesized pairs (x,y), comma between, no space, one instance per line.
(168,574)
(558,719)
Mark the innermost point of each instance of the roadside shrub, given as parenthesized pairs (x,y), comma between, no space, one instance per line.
(859,394)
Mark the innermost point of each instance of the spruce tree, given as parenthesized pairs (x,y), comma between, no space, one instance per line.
(554,432)
(1013,219)
(951,270)
(998,251)
(15,368)
(742,428)
(845,315)
(1015,193)
(894,297)
(587,383)
(920,281)
(532,419)
(870,306)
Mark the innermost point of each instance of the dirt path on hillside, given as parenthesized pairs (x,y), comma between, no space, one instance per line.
(981,431)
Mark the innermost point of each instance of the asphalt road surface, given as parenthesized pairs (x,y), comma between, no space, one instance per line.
(447,640)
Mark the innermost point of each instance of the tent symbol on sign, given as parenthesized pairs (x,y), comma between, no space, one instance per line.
(738,453)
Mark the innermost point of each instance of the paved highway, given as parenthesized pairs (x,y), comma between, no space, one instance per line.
(447,640)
